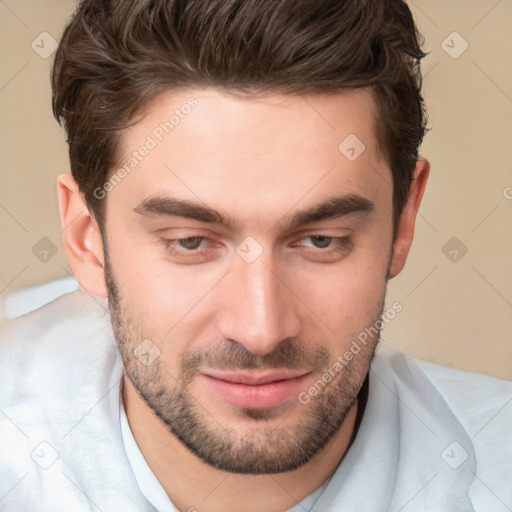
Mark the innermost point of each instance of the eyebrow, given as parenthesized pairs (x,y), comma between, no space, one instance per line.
(333,207)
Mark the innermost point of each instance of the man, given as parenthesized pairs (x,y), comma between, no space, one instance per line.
(244,181)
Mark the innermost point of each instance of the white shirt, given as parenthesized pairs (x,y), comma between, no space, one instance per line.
(431,438)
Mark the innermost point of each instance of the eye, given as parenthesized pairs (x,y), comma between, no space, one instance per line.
(321,241)
(186,247)
(325,248)
(321,248)
(191,243)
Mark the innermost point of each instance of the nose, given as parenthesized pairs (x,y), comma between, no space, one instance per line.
(259,309)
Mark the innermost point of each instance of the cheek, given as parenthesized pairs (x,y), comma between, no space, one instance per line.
(347,297)
(163,298)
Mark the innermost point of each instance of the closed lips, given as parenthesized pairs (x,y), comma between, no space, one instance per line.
(256,378)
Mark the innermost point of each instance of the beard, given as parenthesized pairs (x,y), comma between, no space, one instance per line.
(266,444)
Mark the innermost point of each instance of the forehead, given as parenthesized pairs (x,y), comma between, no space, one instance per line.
(212,117)
(204,143)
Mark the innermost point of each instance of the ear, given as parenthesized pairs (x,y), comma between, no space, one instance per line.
(82,237)
(405,227)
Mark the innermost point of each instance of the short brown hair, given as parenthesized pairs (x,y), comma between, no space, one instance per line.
(117,55)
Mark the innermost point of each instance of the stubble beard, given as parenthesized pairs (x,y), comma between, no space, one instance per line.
(269,444)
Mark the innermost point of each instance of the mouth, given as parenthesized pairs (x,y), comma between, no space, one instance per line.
(257,389)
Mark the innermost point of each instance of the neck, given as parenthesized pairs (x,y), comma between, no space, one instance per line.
(193,485)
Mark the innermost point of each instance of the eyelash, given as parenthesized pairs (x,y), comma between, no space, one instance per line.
(343,245)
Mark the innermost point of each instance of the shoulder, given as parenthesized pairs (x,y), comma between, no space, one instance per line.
(54,351)
(61,323)
(481,404)
(59,410)
(470,395)
(475,398)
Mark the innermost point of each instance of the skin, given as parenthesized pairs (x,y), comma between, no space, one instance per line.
(258,160)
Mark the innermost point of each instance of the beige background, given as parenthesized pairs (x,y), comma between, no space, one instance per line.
(454,313)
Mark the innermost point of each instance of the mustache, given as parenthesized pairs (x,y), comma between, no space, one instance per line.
(234,356)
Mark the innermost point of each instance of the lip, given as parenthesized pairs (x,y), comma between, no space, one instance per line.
(255,389)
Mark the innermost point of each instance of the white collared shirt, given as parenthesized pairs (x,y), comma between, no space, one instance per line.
(431,438)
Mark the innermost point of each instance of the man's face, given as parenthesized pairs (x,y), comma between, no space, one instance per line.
(222,330)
